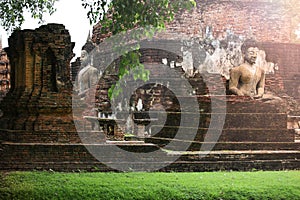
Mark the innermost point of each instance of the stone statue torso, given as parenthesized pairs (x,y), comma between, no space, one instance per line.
(248,78)
(87,77)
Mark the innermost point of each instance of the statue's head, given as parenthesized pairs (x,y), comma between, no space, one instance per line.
(250,50)
(84,58)
(251,55)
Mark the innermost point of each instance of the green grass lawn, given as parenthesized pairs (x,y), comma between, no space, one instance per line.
(206,185)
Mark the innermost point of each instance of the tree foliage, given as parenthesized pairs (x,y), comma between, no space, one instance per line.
(12,11)
(120,15)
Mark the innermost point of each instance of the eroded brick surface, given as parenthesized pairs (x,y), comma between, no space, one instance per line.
(40,95)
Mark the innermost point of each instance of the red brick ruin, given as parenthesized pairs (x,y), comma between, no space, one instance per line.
(37,128)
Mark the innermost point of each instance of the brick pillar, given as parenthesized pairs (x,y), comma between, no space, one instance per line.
(40,99)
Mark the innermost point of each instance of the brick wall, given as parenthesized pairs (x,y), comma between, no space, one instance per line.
(267,21)
(273,24)
(287,57)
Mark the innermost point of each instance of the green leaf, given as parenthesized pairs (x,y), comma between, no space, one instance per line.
(12,12)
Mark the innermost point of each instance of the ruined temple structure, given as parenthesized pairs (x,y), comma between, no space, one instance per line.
(38,105)
(201,47)
(219,29)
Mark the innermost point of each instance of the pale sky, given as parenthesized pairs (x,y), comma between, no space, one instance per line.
(71,14)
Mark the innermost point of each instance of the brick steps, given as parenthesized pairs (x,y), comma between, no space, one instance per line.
(238,155)
(233,146)
(162,135)
(180,166)
(71,157)
(22,136)
(234,165)
(232,120)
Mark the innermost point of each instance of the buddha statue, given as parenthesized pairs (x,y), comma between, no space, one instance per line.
(88,76)
(248,79)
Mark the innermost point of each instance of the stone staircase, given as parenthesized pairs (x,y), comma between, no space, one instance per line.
(242,145)
(76,157)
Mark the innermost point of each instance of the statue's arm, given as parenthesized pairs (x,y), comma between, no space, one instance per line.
(261,85)
(95,76)
(76,84)
(234,81)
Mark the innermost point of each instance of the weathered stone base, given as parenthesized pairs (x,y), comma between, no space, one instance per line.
(254,136)
(23,136)
(232,119)
(238,137)
(75,157)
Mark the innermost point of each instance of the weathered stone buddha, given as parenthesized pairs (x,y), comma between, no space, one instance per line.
(88,76)
(248,79)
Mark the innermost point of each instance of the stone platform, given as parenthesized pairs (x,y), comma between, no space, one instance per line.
(254,136)
(75,157)
(242,120)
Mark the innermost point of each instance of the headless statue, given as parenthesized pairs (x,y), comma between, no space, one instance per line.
(248,79)
(88,76)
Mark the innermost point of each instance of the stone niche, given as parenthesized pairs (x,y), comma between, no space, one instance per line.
(40,96)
